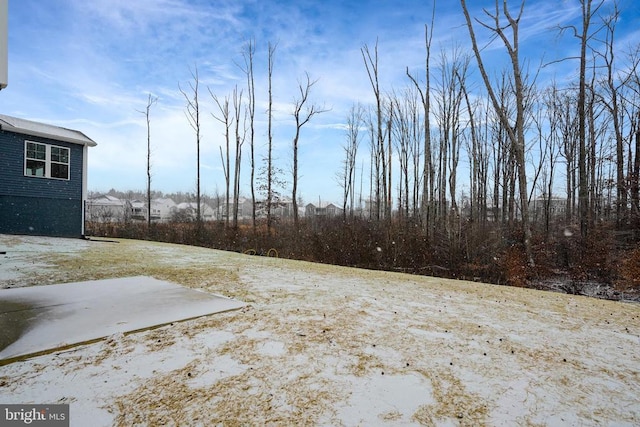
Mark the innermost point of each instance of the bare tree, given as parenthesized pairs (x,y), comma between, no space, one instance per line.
(584,35)
(225,119)
(378,146)
(147,114)
(614,102)
(475,157)
(374,168)
(389,162)
(515,132)
(240,135)
(455,140)
(449,103)
(402,132)
(553,141)
(248,53)
(269,167)
(634,136)
(411,170)
(570,135)
(302,118)
(347,178)
(599,129)
(507,153)
(193,117)
(502,155)
(635,174)
(428,172)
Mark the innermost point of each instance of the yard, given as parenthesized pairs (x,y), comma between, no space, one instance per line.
(324,345)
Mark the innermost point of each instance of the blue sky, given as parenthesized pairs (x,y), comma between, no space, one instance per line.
(90,65)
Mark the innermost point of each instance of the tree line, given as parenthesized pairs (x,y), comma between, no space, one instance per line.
(519,137)
(535,157)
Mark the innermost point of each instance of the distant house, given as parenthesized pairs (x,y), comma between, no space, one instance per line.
(161,209)
(190,211)
(106,208)
(280,208)
(138,210)
(43,178)
(557,206)
(322,210)
(283,208)
(244,209)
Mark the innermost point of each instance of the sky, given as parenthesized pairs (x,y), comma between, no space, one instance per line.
(91,65)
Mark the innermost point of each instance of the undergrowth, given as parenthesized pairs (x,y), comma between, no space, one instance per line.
(488,252)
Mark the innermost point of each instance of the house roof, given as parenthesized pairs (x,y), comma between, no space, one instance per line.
(106,200)
(192,205)
(163,201)
(28,127)
(321,205)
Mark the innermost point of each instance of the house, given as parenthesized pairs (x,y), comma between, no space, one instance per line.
(244,209)
(322,209)
(189,210)
(557,206)
(106,208)
(43,178)
(162,209)
(138,210)
(283,208)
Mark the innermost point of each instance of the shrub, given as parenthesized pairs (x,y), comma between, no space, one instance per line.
(514,265)
(594,257)
(629,271)
(488,252)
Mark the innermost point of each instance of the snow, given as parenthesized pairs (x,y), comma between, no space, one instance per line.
(323,345)
(16,260)
(396,398)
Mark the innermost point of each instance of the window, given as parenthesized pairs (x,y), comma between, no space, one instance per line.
(46,161)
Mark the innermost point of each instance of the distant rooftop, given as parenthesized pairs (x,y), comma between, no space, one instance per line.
(28,127)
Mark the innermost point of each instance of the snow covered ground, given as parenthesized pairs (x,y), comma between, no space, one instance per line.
(325,345)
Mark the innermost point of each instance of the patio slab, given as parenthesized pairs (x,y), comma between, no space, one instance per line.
(41,319)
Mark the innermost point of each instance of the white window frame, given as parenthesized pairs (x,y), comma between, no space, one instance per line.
(48,161)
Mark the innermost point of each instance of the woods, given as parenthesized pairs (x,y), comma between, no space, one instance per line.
(467,171)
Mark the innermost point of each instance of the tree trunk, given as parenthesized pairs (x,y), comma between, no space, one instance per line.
(269,170)
(248,58)
(193,116)
(150,101)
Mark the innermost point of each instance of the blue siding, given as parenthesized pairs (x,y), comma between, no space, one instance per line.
(33,205)
(14,183)
(40,216)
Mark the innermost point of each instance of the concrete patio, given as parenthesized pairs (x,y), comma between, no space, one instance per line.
(41,319)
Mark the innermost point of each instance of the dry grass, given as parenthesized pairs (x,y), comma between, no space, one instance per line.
(125,258)
(362,331)
(311,331)
(452,401)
